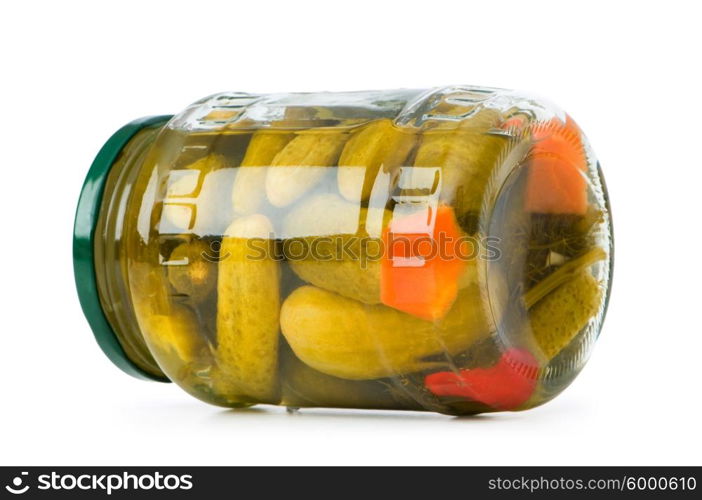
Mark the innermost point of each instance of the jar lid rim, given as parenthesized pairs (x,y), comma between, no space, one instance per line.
(86,218)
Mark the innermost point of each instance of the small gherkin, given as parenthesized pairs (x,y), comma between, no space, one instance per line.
(380,145)
(557,318)
(341,246)
(347,339)
(467,155)
(248,192)
(302,164)
(169,328)
(248,304)
(190,272)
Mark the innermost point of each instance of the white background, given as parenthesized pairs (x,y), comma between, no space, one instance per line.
(72,73)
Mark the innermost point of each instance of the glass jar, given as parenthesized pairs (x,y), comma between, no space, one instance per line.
(446,249)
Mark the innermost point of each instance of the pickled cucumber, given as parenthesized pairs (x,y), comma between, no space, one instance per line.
(557,318)
(467,155)
(344,277)
(347,339)
(175,331)
(191,272)
(248,192)
(170,328)
(302,164)
(341,246)
(377,145)
(248,307)
(329,215)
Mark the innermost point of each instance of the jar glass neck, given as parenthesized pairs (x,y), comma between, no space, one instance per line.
(110,263)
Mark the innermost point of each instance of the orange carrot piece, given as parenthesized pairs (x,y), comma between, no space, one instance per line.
(556,182)
(424,258)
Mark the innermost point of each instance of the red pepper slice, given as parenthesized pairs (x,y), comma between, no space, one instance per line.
(504,386)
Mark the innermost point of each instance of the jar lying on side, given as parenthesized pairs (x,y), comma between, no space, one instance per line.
(446,249)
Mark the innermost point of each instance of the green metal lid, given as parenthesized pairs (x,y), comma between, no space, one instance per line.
(83,245)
